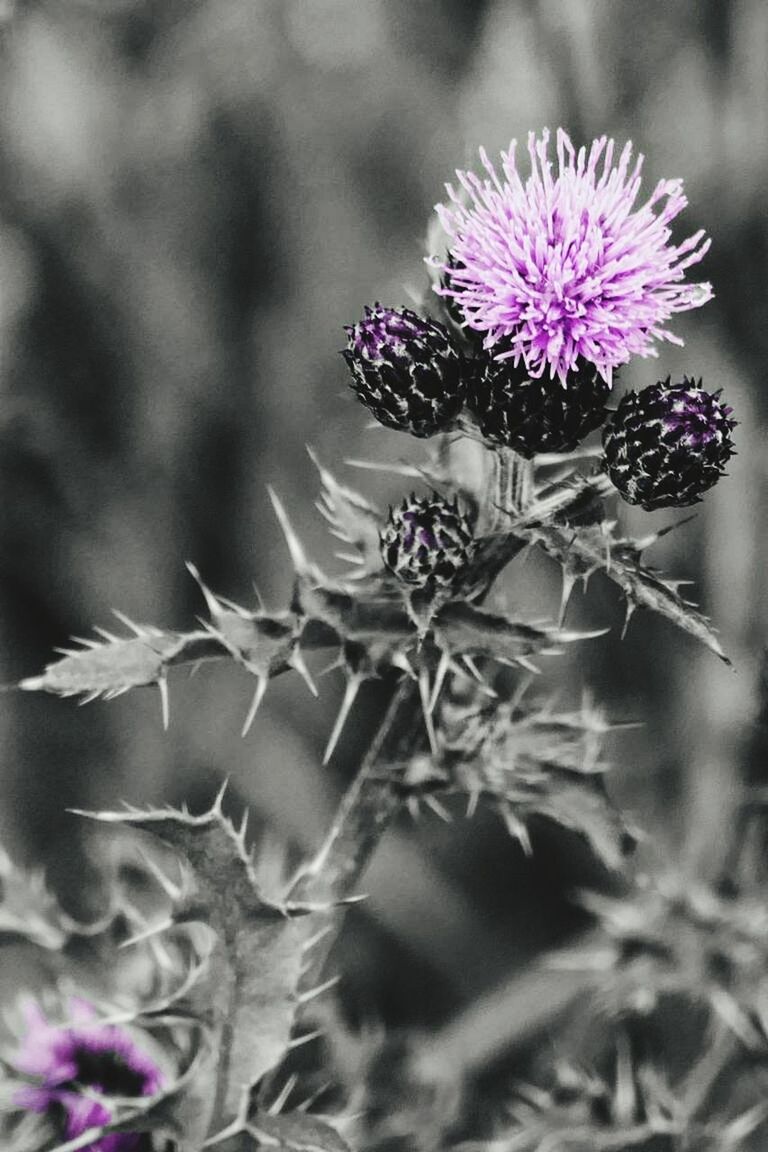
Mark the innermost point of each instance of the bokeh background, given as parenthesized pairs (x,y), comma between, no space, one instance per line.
(196,196)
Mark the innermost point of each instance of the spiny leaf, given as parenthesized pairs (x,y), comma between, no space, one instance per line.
(265,644)
(581,1112)
(583,807)
(352,519)
(463,629)
(528,762)
(260,641)
(28,911)
(251,993)
(109,667)
(670,935)
(359,619)
(583,550)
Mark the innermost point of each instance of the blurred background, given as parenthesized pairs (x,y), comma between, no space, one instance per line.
(196,196)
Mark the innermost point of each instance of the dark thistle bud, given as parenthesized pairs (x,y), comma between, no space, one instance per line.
(537,415)
(406,370)
(426,542)
(667,444)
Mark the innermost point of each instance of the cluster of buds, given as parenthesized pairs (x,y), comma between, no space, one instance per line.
(549,284)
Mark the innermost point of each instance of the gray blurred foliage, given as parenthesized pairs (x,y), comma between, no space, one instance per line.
(196,196)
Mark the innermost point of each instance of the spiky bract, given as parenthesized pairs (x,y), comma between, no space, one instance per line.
(406,370)
(532,414)
(561,267)
(667,444)
(427,542)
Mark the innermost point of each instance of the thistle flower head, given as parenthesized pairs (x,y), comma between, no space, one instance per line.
(566,265)
(76,1067)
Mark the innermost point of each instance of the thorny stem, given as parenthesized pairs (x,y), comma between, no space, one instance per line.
(366,808)
(512,481)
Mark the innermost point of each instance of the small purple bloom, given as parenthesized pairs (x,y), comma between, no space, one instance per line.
(566,266)
(77,1066)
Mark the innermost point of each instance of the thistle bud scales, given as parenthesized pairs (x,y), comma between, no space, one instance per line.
(532,415)
(668,444)
(426,542)
(406,370)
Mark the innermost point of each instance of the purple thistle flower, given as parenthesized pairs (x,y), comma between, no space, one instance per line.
(77,1066)
(567,266)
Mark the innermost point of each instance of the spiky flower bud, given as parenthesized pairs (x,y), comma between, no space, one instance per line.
(426,542)
(537,415)
(667,444)
(406,370)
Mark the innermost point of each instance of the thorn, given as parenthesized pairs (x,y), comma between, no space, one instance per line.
(442,670)
(243,829)
(305,997)
(162,684)
(350,692)
(279,1102)
(262,682)
(630,610)
(401,661)
(238,609)
(625,1093)
(147,933)
(297,661)
(307,1038)
(172,890)
(569,583)
(310,1100)
(295,548)
(211,602)
(135,628)
(433,803)
(400,469)
(517,829)
(470,663)
(337,662)
(258,595)
(318,936)
(472,802)
(425,694)
(217,804)
(108,636)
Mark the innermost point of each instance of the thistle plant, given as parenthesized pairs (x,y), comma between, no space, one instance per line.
(542,287)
